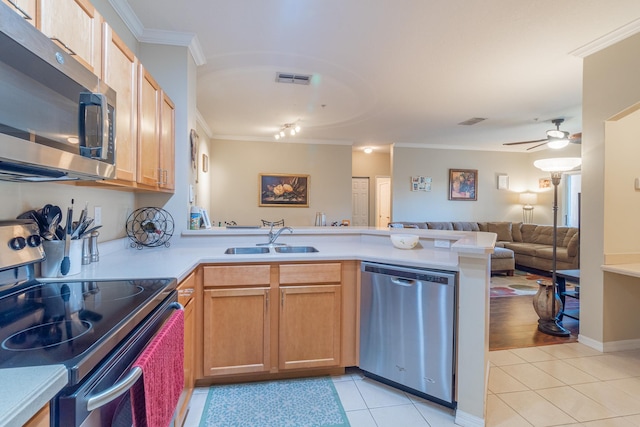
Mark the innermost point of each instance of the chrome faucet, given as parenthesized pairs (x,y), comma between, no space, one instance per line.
(273,236)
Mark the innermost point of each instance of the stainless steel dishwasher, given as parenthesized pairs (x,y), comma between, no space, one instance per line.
(407,324)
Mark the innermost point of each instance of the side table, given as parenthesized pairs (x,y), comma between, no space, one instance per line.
(573,276)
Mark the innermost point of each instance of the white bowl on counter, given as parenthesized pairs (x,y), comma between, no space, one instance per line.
(404,241)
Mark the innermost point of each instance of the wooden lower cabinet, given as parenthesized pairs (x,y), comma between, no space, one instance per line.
(276,317)
(309,334)
(236,331)
(187,297)
(41,418)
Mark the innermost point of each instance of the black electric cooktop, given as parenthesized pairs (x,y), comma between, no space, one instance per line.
(73,323)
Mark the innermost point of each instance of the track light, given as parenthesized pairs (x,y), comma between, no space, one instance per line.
(288,128)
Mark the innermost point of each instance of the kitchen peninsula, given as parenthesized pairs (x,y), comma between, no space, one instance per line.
(467,253)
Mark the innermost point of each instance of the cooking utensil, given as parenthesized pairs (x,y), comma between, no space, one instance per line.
(50,234)
(66,263)
(88,232)
(81,228)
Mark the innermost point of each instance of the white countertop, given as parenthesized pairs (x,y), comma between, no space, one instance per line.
(25,390)
(118,260)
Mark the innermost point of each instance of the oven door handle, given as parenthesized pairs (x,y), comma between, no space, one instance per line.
(115,391)
(123,385)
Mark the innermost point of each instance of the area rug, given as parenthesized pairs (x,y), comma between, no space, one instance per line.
(521,283)
(306,402)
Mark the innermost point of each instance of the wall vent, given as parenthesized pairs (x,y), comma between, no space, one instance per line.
(472,121)
(298,79)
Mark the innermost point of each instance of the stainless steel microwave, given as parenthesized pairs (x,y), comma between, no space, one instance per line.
(57,119)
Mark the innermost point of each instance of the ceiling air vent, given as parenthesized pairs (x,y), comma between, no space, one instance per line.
(298,79)
(472,121)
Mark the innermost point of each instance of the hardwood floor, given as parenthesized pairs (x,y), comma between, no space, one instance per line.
(513,323)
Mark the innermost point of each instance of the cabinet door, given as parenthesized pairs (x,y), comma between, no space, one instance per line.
(121,74)
(309,333)
(148,129)
(24,8)
(167,143)
(236,331)
(76,27)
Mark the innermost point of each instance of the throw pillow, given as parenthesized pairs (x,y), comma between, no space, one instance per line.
(516,233)
(502,229)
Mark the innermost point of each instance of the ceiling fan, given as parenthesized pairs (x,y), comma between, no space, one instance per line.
(556,138)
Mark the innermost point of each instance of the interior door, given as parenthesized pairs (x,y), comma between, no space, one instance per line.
(360,201)
(383,201)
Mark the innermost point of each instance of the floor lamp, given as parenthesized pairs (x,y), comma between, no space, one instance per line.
(528,200)
(556,167)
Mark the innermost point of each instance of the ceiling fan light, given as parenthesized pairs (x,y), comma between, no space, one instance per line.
(293,132)
(281,133)
(277,136)
(557,143)
(297,128)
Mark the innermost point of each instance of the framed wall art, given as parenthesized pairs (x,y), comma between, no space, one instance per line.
(503,182)
(283,190)
(420,183)
(463,184)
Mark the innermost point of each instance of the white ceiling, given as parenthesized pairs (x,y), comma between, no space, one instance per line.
(402,71)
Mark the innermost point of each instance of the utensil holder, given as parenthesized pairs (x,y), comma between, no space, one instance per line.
(54,250)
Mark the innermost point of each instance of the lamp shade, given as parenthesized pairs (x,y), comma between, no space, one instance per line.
(560,164)
(528,198)
(557,143)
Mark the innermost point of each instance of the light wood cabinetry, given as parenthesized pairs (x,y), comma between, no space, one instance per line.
(237,326)
(270,318)
(186,297)
(167,144)
(41,418)
(76,26)
(25,8)
(156,140)
(121,74)
(310,317)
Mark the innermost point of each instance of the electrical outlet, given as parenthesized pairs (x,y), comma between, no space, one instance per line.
(441,243)
(97,215)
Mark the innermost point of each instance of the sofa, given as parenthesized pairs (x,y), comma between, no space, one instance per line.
(531,244)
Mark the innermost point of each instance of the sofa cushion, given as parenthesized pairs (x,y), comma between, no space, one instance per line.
(440,226)
(571,231)
(547,253)
(465,226)
(527,232)
(516,233)
(502,229)
(409,224)
(525,248)
(543,234)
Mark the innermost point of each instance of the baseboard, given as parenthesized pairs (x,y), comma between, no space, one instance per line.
(468,420)
(610,346)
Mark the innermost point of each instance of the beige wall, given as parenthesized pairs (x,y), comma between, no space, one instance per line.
(234,170)
(371,166)
(492,204)
(610,85)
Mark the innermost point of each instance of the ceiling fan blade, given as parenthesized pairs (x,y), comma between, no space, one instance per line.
(525,142)
(539,145)
(576,138)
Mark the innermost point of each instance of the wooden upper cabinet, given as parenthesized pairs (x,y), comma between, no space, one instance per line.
(148,129)
(76,26)
(121,74)
(167,143)
(25,8)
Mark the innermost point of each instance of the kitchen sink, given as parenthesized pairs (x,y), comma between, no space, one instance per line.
(246,251)
(295,249)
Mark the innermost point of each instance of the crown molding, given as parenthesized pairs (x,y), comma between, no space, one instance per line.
(288,140)
(203,124)
(608,39)
(149,35)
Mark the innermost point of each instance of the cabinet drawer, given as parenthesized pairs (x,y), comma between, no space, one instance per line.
(186,289)
(310,273)
(237,275)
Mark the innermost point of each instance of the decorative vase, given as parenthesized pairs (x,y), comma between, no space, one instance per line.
(543,301)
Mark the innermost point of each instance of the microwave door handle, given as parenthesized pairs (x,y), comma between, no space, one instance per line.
(114,391)
(98,99)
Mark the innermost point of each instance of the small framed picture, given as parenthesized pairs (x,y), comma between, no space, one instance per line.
(503,182)
(463,184)
(544,183)
(205,163)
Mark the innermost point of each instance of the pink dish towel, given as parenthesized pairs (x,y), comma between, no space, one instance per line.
(155,398)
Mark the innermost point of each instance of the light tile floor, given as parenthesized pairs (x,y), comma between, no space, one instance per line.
(560,385)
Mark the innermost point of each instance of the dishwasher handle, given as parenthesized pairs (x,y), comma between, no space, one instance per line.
(403,282)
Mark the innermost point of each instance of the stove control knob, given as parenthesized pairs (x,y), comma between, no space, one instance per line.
(34,240)
(18,243)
